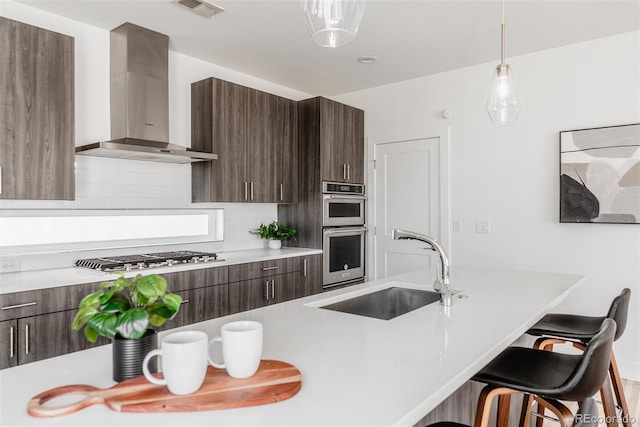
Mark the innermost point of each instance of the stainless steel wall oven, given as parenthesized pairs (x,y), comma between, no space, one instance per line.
(343,233)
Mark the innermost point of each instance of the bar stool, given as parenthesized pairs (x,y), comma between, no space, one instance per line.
(586,416)
(558,328)
(547,376)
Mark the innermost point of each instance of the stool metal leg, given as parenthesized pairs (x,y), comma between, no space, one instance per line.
(564,415)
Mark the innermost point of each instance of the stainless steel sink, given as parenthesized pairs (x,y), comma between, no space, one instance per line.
(385,304)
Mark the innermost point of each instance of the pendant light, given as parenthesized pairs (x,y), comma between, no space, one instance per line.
(332,23)
(503,105)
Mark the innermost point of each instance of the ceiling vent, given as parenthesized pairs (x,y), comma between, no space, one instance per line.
(201,7)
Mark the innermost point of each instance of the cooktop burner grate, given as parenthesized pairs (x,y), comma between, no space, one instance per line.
(142,261)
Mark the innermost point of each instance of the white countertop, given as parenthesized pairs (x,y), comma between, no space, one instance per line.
(39,279)
(357,371)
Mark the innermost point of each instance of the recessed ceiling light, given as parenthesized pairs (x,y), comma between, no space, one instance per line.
(367,59)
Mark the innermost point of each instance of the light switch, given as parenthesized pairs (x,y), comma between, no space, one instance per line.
(457,226)
(483,226)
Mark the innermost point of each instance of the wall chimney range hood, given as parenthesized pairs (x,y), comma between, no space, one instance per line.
(140,101)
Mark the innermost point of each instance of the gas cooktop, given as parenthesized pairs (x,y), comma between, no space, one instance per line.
(143,261)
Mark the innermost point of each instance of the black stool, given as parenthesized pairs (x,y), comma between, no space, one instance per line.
(560,328)
(587,416)
(547,376)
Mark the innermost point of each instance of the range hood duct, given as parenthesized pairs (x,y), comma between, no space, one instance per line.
(140,101)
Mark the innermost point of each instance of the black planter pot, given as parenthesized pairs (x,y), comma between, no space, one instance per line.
(128,355)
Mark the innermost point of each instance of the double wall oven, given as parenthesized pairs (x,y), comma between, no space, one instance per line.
(343,233)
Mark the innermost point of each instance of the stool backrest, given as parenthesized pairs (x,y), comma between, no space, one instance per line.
(619,310)
(589,374)
(587,415)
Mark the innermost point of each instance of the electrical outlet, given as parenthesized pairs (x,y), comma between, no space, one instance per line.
(457,226)
(9,265)
(483,226)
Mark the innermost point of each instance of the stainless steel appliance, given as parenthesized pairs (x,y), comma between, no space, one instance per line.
(143,261)
(343,255)
(342,204)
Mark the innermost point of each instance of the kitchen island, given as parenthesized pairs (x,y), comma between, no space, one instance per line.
(357,371)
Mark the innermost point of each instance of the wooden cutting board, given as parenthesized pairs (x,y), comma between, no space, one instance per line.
(275,381)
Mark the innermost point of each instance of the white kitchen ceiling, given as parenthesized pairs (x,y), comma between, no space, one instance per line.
(268,39)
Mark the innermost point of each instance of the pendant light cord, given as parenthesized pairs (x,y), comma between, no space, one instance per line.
(502,36)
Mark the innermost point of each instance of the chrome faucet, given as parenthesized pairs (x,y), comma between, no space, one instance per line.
(441,285)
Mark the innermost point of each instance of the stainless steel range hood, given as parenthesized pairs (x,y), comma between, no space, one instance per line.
(140,101)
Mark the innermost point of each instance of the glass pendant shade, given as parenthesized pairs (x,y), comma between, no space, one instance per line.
(503,105)
(333,23)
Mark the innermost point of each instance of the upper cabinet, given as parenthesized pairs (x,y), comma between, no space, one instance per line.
(36,113)
(253,133)
(337,131)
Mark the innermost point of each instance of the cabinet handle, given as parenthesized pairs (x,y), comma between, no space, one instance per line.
(281,192)
(12,342)
(27,337)
(0,179)
(304,267)
(269,268)
(344,171)
(184,301)
(26,304)
(273,289)
(266,289)
(246,190)
(251,190)
(348,172)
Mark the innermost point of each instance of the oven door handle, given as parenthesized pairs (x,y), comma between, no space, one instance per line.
(341,230)
(354,197)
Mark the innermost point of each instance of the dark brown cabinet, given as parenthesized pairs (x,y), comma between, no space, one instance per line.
(258,284)
(8,343)
(311,275)
(253,133)
(334,132)
(37,132)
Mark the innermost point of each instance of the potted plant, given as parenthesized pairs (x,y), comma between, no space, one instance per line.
(124,311)
(276,233)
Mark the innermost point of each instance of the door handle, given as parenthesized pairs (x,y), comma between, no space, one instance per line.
(266,289)
(304,267)
(273,289)
(269,268)
(26,304)
(0,179)
(246,190)
(281,192)
(348,172)
(27,336)
(344,171)
(251,190)
(12,343)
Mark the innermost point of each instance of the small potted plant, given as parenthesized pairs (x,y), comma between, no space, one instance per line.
(124,311)
(276,233)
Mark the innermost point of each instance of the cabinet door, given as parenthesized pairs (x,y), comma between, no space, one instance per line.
(286,162)
(354,144)
(37,132)
(285,287)
(8,343)
(219,120)
(333,166)
(261,146)
(49,335)
(248,294)
(311,275)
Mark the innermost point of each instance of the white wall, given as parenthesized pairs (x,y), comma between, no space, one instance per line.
(510,174)
(125,184)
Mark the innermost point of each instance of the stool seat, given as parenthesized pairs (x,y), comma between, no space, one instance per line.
(533,371)
(570,326)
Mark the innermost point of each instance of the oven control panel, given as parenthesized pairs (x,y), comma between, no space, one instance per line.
(341,188)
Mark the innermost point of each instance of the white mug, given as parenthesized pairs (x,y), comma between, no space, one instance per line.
(241,348)
(184,361)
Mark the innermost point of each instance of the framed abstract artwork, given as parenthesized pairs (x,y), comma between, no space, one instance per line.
(600,175)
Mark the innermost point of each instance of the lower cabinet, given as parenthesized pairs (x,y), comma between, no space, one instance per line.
(201,304)
(8,343)
(311,275)
(256,293)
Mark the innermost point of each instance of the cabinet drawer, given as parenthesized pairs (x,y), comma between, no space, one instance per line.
(193,279)
(255,270)
(22,304)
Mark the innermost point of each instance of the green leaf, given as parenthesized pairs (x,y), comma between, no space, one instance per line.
(104,298)
(104,324)
(172,301)
(91,334)
(117,304)
(83,316)
(151,286)
(133,323)
(105,285)
(91,300)
(123,283)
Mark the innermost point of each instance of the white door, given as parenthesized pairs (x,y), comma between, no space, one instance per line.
(407,195)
